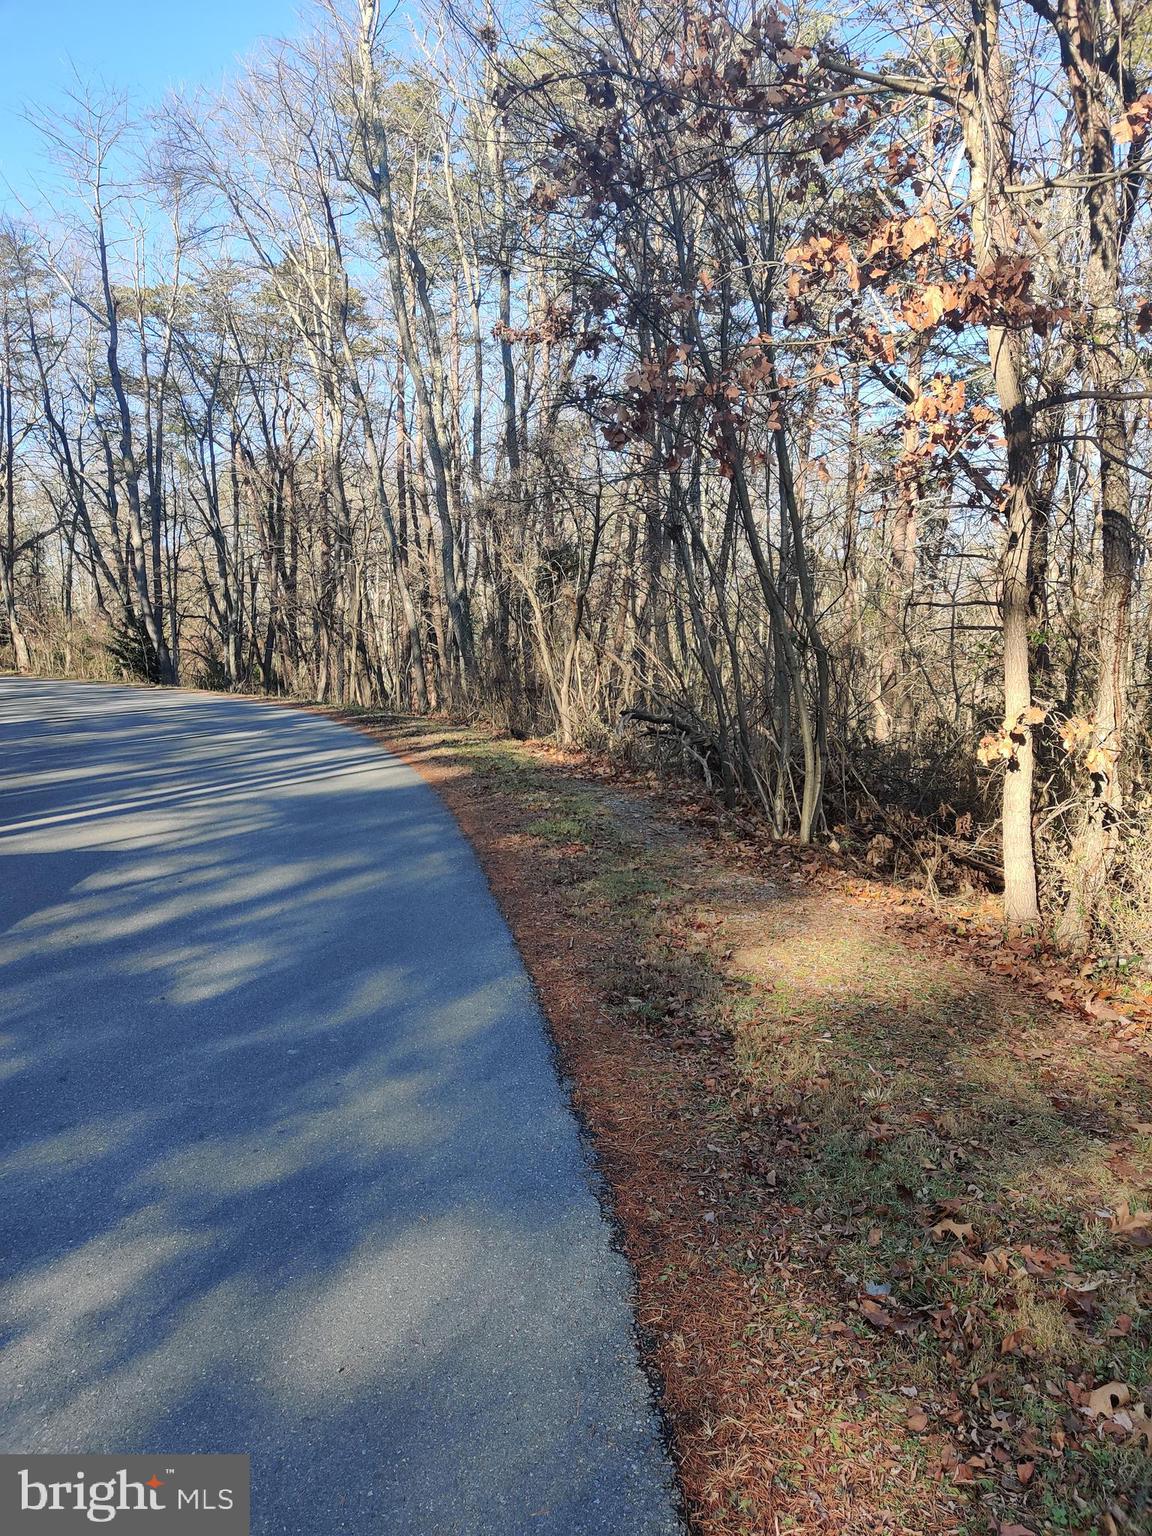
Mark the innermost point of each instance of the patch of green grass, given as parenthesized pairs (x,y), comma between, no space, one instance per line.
(562,829)
(624,887)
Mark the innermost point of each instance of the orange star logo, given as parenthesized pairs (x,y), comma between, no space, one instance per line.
(154,1482)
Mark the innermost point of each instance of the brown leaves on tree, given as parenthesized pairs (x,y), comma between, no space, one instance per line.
(1133,126)
(1003,746)
(1076,734)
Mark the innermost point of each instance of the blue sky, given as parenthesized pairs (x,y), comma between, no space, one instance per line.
(143,46)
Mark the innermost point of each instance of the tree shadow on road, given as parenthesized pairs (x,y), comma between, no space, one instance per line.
(286,1165)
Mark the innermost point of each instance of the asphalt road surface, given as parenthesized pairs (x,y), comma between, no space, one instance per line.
(285,1165)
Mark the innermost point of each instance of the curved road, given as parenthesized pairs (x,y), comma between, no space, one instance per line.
(285,1167)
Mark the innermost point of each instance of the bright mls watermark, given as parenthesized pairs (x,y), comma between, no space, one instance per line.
(149,1495)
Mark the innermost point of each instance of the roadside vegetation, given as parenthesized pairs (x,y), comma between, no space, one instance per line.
(888,1207)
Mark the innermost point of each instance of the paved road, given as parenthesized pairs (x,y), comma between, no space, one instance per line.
(284,1163)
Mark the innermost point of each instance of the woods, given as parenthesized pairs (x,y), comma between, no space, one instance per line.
(762,393)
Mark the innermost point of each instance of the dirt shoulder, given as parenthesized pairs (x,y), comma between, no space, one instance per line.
(887,1209)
